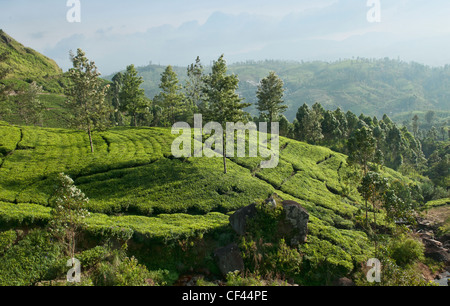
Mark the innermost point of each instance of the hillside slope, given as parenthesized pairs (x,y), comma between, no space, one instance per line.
(134,185)
(27,65)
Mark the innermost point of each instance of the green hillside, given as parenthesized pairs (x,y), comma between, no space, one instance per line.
(136,188)
(372,87)
(26,65)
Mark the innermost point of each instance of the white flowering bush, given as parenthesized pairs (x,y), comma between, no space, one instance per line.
(69,213)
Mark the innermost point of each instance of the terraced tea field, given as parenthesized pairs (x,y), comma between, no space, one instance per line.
(135,186)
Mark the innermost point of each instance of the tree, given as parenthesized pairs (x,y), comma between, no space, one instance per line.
(361,148)
(194,84)
(308,127)
(270,97)
(372,189)
(132,97)
(352,122)
(171,98)
(86,96)
(429,117)
(116,87)
(68,213)
(330,127)
(398,201)
(415,124)
(224,104)
(28,106)
(285,126)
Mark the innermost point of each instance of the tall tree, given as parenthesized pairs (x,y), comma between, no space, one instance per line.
(372,189)
(270,97)
(194,84)
(116,87)
(86,96)
(415,125)
(68,213)
(429,117)
(330,127)
(132,97)
(308,127)
(28,106)
(224,104)
(171,97)
(362,148)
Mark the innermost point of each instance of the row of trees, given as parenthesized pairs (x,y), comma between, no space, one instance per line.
(214,95)
(381,140)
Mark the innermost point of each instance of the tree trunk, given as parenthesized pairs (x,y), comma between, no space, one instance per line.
(224,153)
(90,138)
(367,215)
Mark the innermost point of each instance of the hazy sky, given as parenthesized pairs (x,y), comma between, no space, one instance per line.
(118,33)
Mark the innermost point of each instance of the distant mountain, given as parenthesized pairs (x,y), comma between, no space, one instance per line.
(27,65)
(372,87)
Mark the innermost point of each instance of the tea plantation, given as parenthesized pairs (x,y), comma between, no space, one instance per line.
(138,190)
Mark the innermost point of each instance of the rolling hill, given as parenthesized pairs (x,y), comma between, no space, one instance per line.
(372,87)
(26,65)
(135,186)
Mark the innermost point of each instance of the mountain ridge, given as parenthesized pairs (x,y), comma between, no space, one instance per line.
(369,86)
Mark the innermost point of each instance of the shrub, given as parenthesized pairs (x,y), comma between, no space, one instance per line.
(33,259)
(127,272)
(406,251)
(93,256)
(7,239)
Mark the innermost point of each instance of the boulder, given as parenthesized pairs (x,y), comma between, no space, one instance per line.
(344,282)
(294,225)
(229,259)
(435,249)
(438,254)
(239,219)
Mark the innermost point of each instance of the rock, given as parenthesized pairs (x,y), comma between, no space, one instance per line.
(239,219)
(344,282)
(271,202)
(229,259)
(432,243)
(438,254)
(294,225)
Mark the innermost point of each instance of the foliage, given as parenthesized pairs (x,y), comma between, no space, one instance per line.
(25,63)
(131,96)
(406,251)
(86,96)
(171,98)
(68,213)
(27,105)
(121,270)
(270,97)
(33,259)
(138,192)
(7,239)
(194,85)
(307,126)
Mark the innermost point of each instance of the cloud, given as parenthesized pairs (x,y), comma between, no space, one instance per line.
(328,31)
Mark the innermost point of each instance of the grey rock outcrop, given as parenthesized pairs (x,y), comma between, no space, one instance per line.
(229,259)
(240,218)
(294,225)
